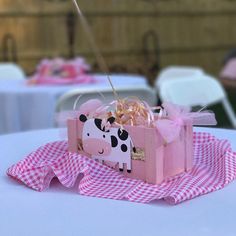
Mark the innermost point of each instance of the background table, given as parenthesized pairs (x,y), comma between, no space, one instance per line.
(24,107)
(60,211)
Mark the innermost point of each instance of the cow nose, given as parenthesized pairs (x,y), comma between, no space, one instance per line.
(95,146)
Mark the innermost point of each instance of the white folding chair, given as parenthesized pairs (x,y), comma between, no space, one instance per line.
(11,71)
(175,72)
(66,101)
(202,91)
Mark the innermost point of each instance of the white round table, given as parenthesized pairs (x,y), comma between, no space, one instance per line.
(60,211)
(25,107)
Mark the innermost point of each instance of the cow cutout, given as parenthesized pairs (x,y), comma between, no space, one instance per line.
(103,144)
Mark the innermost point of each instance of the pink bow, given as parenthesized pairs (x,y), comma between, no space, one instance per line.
(92,108)
(176,116)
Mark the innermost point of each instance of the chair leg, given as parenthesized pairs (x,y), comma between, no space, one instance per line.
(229,110)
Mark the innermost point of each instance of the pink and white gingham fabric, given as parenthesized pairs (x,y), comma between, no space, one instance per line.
(214,167)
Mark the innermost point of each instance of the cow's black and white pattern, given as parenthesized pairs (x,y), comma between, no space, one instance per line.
(113,145)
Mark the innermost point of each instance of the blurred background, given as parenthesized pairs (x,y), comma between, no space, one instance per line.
(135,36)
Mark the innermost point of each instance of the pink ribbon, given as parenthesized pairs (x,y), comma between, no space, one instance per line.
(92,108)
(176,116)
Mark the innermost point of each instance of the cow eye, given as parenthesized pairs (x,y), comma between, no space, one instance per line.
(104,136)
(88,134)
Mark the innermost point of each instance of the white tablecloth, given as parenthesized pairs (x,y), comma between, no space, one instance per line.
(60,211)
(25,107)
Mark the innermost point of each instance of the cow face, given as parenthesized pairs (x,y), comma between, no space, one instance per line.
(106,145)
(96,140)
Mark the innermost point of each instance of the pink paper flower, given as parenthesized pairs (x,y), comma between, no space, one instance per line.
(59,71)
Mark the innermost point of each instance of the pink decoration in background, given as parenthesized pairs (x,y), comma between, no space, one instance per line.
(214,167)
(59,71)
(229,70)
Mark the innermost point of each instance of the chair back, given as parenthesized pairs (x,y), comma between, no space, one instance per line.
(175,72)
(196,91)
(11,71)
(67,100)
(202,91)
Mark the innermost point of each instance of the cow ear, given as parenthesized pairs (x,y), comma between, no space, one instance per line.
(111,119)
(82,118)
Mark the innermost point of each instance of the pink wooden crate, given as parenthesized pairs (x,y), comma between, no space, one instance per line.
(160,160)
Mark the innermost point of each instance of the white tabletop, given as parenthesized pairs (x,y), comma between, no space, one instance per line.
(25,107)
(60,211)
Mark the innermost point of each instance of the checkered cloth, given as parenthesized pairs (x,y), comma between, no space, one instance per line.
(214,167)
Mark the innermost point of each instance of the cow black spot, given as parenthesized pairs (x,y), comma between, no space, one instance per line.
(111,119)
(98,123)
(124,148)
(123,134)
(114,141)
(82,118)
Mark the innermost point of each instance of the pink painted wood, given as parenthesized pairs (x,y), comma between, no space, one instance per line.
(161,161)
